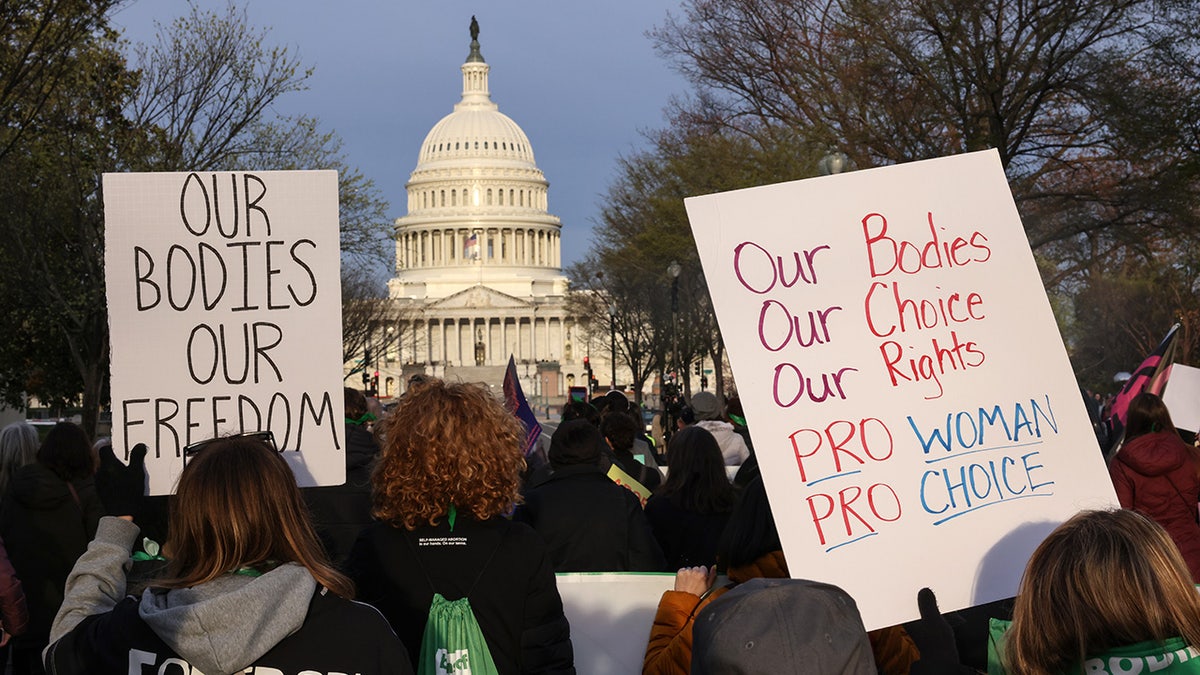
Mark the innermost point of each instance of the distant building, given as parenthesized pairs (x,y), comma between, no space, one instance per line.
(478,260)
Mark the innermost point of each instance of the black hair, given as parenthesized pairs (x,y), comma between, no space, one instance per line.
(67,452)
(751,531)
(574,410)
(620,429)
(697,481)
(575,442)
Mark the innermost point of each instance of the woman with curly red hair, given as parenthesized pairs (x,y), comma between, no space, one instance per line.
(449,471)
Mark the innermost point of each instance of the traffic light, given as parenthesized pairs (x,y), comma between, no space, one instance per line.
(367,358)
(366,379)
(697,367)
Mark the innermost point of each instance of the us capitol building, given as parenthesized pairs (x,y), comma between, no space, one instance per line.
(478,260)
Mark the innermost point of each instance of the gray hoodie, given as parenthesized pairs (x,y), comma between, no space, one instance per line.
(218,627)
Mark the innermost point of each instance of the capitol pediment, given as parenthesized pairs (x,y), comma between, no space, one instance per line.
(479,297)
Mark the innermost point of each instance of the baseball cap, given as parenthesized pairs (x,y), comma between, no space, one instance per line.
(781,626)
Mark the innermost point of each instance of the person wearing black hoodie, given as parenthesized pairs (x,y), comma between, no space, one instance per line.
(340,512)
(49,514)
(589,523)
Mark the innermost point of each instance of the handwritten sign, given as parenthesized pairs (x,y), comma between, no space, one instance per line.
(911,402)
(224,307)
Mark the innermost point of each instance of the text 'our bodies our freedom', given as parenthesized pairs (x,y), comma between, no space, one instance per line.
(225,258)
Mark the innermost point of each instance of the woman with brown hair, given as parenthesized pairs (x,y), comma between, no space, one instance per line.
(247,583)
(449,471)
(1157,474)
(1106,592)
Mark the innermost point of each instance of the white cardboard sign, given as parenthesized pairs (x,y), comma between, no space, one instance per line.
(1182,396)
(224,306)
(611,615)
(910,398)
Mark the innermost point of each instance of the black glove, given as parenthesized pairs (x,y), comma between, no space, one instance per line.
(121,488)
(935,639)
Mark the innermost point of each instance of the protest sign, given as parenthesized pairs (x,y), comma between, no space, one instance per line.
(910,399)
(611,615)
(1182,396)
(224,306)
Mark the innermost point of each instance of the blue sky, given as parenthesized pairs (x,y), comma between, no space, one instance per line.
(581,79)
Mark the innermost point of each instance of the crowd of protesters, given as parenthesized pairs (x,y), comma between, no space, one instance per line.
(443,515)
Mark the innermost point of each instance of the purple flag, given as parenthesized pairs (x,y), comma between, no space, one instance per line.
(515,399)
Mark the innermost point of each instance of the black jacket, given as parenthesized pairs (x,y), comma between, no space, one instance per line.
(590,524)
(340,512)
(46,525)
(501,566)
(687,538)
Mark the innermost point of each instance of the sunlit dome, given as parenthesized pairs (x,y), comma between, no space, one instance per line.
(477,205)
(476,133)
(476,128)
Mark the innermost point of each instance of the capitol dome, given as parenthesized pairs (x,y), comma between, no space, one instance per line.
(477,205)
(479,282)
(476,132)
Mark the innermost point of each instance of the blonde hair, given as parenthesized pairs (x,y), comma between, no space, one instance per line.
(1101,580)
(237,506)
(447,444)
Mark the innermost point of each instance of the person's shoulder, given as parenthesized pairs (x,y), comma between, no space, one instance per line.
(326,606)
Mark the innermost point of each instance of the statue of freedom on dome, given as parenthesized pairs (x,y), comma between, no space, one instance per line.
(474,28)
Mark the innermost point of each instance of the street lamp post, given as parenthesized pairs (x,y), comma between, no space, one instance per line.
(673,271)
(612,324)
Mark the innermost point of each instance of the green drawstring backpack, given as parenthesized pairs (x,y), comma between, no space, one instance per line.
(453,643)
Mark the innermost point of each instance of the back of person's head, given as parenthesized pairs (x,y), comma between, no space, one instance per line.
(600,403)
(237,506)
(1101,580)
(68,452)
(18,447)
(687,415)
(617,401)
(734,411)
(580,410)
(447,444)
(761,625)
(620,429)
(576,442)
(356,404)
(751,532)
(697,480)
(1147,414)
(706,406)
